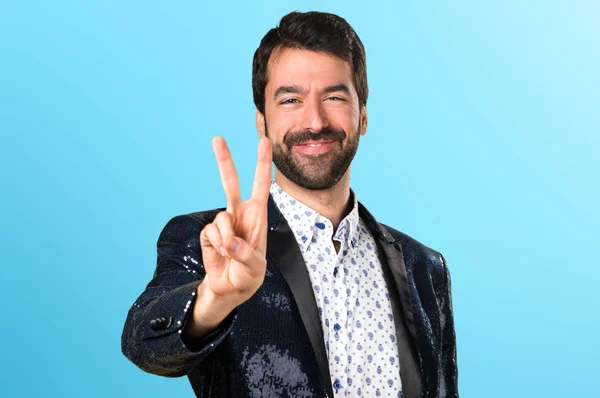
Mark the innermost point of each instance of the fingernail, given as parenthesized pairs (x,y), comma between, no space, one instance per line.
(223,251)
(233,245)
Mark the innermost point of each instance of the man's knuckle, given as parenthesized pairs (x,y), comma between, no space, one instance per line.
(205,230)
(223,218)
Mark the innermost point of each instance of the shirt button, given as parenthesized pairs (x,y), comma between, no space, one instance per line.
(337,385)
(337,327)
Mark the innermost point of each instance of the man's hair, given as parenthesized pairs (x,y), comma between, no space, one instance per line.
(314,31)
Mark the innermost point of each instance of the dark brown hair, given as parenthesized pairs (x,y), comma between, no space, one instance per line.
(315,31)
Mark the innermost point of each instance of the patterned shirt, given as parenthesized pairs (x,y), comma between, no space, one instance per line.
(352,298)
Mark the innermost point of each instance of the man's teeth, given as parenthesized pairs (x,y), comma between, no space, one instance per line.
(314,145)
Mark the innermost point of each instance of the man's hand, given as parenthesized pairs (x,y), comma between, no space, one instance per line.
(234,245)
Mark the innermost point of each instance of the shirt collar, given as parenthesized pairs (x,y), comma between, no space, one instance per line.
(307,224)
(349,228)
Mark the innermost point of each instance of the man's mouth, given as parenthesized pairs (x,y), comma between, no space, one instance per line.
(315,147)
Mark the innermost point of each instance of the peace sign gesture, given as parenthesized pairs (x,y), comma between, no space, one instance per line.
(234,245)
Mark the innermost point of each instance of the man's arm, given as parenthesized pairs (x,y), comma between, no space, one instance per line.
(205,269)
(449,365)
(156,345)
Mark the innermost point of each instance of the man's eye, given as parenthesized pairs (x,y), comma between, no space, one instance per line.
(289,101)
(334,98)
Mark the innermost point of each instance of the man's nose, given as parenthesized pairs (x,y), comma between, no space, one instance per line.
(314,117)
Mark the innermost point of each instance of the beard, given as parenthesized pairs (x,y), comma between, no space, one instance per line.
(319,171)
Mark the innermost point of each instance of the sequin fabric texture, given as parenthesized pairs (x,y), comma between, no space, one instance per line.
(352,299)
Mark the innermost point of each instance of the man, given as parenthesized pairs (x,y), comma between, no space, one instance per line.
(298,291)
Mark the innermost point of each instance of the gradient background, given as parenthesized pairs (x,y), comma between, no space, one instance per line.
(483,144)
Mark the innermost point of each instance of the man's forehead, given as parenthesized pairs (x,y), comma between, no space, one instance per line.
(297,67)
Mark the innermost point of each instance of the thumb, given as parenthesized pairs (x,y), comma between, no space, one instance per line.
(232,245)
(241,251)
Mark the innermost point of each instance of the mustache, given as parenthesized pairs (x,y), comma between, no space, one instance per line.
(325,134)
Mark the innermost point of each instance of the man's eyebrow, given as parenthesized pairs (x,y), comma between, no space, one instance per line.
(287,90)
(298,90)
(336,88)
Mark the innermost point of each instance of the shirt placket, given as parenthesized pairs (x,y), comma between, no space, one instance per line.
(340,283)
(334,326)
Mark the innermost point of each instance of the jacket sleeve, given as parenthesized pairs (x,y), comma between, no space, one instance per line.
(151,336)
(449,365)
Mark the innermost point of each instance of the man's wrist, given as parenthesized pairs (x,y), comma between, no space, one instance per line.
(208,312)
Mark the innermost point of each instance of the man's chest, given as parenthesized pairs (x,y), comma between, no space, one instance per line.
(356,315)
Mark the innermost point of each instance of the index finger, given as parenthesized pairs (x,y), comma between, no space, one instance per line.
(229,177)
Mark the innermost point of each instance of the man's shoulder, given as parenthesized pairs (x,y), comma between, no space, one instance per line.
(412,249)
(189,224)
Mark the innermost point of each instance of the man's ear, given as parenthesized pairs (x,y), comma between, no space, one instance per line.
(363,120)
(260,124)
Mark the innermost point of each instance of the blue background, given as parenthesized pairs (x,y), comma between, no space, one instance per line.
(483,143)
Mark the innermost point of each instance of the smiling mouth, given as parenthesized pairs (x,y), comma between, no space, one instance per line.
(315,144)
(315,147)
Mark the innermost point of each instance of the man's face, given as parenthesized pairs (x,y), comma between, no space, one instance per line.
(312,117)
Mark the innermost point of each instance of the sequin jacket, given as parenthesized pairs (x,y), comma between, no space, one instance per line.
(272,345)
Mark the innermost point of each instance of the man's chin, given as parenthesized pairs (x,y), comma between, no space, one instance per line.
(315,164)
(316,180)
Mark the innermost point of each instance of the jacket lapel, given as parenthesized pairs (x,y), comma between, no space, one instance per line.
(392,251)
(410,303)
(283,250)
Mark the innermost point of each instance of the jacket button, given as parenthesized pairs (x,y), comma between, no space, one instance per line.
(161,323)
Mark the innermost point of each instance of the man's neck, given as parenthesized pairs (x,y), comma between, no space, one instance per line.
(333,203)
